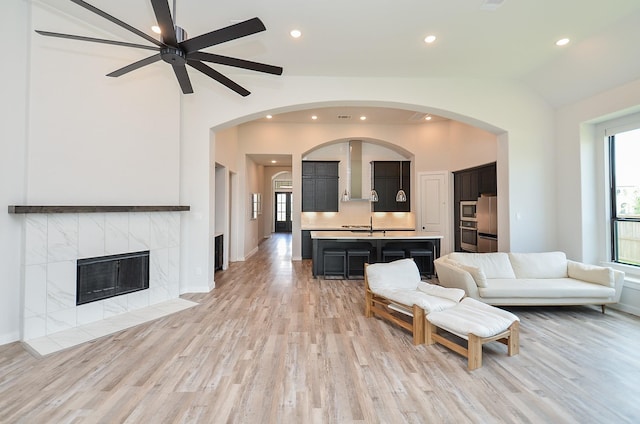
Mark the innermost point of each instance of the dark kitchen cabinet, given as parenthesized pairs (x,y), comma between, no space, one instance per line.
(320,186)
(386,181)
(469,184)
(487,180)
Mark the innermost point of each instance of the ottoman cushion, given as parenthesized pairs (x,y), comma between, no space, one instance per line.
(473,316)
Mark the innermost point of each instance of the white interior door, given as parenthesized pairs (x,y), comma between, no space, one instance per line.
(434,206)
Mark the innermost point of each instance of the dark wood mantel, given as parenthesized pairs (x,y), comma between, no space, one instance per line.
(94,209)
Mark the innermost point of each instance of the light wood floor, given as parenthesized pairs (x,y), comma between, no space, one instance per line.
(272,345)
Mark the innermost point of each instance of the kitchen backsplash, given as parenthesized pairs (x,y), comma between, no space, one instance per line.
(357,213)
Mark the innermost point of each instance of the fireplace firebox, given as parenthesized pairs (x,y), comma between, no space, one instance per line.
(108,276)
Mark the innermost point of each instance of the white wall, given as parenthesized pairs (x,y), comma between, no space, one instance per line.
(13,121)
(74,136)
(252,227)
(94,139)
(583,181)
(580,217)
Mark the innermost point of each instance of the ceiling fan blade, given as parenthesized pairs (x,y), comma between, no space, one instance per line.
(118,22)
(237,63)
(218,77)
(136,65)
(165,22)
(222,35)
(95,40)
(183,78)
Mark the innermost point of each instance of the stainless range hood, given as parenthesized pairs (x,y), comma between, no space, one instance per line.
(354,170)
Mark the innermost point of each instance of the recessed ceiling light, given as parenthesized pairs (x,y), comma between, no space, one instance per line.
(562,42)
(155,29)
(314,117)
(273,161)
(269,116)
(295,33)
(429,39)
(427,118)
(363,118)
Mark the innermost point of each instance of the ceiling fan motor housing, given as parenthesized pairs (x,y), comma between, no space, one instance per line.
(175,55)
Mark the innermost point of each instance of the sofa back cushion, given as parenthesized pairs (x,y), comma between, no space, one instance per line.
(400,274)
(477,274)
(591,273)
(494,265)
(539,265)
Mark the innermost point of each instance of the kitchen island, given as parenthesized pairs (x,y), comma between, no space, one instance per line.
(374,240)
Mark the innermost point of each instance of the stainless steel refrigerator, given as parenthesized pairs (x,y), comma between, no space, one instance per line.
(487,214)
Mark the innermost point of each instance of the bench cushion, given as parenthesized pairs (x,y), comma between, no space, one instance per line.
(415,297)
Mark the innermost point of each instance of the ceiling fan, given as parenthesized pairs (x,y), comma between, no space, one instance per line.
(178,50)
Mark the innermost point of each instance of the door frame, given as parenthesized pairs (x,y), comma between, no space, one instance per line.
(289,213)
(446,245)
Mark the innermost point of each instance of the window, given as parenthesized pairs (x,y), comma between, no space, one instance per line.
(624,151)
(256,205)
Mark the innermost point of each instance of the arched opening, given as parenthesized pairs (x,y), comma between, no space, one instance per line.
(421,143)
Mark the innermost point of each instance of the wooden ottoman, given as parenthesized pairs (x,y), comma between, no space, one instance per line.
(476,322)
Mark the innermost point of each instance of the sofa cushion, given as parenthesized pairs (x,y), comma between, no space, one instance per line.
(539,265)
(494,265)
(550,288)
(478,274)
(400,274)
(591,273)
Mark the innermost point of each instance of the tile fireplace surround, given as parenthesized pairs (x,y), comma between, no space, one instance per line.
(56,237)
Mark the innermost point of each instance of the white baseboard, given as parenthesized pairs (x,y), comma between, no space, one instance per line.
(197,289)
(9,338)
(250,254)
(625,308)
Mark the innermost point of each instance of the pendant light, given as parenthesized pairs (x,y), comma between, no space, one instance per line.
(401,196)
(373,197)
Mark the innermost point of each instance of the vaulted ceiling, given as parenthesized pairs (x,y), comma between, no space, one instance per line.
(504,39)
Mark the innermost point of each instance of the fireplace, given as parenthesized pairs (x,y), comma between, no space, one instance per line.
(108,276)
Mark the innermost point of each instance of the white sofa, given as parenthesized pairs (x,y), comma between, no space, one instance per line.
(547,278)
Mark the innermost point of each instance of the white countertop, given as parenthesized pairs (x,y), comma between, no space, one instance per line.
(350,228)
(354,235)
